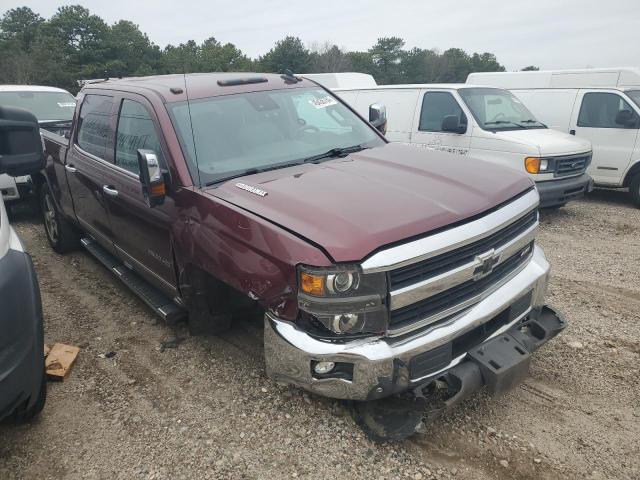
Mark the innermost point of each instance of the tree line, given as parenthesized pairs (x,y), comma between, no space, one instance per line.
(75,44)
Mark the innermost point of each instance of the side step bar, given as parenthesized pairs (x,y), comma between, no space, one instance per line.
(158,301)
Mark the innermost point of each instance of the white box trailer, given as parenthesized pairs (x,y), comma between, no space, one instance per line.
(601,105)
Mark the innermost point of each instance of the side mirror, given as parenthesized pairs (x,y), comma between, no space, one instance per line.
(451,124)
(378,117)
(151,178)
(20,143)
(626,118)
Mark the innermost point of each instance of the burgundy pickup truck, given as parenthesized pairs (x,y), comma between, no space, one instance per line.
(381,269)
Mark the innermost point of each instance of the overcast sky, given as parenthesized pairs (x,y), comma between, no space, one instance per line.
(546,33)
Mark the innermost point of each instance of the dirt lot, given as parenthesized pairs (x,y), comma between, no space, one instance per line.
(204,409)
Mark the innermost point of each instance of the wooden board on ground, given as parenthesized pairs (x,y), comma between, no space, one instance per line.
(59,360)
(47,349)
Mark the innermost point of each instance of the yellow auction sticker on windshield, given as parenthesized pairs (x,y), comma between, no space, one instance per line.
(323,102)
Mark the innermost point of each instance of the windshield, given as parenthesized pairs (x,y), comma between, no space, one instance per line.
(45,106)
(496,109)
(635,96)
(250,132)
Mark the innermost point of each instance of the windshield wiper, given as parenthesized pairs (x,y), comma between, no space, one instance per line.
(504,122)
(334,152)
(252,171)
(531,120)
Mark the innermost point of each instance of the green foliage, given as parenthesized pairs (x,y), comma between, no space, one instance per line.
(386,55)
(75,44)
(288,53)
(530,68)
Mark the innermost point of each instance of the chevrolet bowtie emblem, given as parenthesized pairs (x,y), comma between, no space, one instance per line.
(485,263)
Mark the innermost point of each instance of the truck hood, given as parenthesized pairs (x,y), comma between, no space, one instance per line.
(355,205)
(548,142)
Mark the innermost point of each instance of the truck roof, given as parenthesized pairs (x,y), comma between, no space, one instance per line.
(199,85)
(30,88)
(623,78)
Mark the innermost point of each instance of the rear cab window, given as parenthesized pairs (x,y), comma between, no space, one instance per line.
(436,106)
(95,126)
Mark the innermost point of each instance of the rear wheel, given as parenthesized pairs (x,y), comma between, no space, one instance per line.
(634,189)
(62,236)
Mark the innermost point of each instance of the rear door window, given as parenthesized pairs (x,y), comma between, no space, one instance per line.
(600,109)
(135,131)
(436,106)
(95,132)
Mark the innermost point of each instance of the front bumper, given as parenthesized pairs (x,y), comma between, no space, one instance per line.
(382,365)
(559,192)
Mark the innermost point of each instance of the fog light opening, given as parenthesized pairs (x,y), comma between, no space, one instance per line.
(322,368)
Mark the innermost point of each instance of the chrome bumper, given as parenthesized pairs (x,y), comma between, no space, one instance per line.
(380,364)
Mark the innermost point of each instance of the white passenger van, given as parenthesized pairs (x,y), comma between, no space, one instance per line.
(52,106)
(600,105)
(485,123)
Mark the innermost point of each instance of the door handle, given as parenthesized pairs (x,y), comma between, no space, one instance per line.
(109,190)
(70,168)
(572,132)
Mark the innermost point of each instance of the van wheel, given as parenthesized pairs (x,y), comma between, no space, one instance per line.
(634,189)
(24,415)
(62,236)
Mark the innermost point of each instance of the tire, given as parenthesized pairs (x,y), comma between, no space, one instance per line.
(62,235)
(388,419)
(207,314)
(25,415)
(634,189)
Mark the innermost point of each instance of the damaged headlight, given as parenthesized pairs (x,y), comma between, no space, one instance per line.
(343,299)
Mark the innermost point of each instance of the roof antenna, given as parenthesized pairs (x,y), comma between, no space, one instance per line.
(193,135)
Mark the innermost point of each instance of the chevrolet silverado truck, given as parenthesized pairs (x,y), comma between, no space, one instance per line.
(381,269)
(22,374)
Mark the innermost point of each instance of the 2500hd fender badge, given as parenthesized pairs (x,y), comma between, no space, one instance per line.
(251,189)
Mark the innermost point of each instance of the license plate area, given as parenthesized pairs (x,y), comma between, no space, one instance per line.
(503,361)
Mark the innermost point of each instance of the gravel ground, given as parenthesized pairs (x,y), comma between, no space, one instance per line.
(204,408)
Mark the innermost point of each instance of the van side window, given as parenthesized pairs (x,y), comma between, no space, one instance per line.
(94,124)
(602,110)
(436,106)
(135,130)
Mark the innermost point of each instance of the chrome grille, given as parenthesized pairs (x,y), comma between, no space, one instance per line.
(436,277)
(459,295)
(571,164)
(432,267)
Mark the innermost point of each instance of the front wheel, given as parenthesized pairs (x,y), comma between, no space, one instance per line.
(634,189)
(62,236)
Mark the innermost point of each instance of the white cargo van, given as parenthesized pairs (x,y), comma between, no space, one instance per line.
(600,105)
(485,123)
